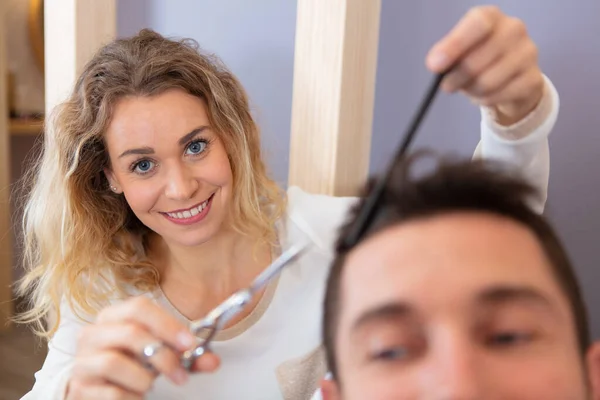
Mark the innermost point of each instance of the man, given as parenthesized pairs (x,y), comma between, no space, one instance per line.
(457,291)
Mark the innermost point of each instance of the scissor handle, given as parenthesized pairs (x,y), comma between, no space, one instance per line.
(189,357)
(213,322)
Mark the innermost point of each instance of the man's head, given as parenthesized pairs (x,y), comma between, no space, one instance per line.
(457,291)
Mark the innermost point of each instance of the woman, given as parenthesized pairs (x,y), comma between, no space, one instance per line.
(151,204)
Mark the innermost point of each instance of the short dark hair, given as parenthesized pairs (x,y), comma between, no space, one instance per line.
(477,185)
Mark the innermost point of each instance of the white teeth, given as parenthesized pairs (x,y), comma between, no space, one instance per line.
(203,205)
(189,213)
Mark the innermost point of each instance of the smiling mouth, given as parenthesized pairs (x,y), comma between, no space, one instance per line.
(190,212)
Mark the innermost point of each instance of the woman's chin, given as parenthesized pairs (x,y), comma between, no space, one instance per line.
(186,235)
(192,238)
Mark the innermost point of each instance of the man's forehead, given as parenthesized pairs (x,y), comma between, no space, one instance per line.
(444,254)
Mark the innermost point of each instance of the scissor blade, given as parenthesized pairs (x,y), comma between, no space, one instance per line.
(276,266)
(221,314)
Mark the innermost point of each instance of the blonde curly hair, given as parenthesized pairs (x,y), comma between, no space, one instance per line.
(75,230)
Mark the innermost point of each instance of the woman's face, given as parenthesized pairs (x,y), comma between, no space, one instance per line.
(170,165)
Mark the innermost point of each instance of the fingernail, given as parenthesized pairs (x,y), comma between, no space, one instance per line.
(438,60)
(180,376)
(185,339)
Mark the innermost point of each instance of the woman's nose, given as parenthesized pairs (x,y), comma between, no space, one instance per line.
(181,183)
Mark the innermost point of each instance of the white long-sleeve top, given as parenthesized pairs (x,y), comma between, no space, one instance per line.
(276,353)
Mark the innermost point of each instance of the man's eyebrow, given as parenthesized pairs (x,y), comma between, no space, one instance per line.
(492,295)
(501,294)
(149,150)
(394,310)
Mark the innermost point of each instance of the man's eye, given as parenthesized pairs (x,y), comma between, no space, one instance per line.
(505,339)
(392,354)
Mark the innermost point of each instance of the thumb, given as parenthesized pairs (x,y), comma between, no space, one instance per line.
(438,60)
(208,362)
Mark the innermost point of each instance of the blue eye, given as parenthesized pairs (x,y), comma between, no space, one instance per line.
(143,166)
(196,147)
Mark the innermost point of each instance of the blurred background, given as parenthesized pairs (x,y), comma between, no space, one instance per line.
(256,40)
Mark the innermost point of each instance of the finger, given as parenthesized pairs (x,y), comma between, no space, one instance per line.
(98,391)
(116,368)
(508,34)
(208,362)
(473,28)
(131,338)
(157,321)
(503,72)
(527,87)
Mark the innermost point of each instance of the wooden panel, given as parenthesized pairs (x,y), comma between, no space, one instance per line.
(334,90)
(74,31)
(24,355)
(25,127)
(6,305)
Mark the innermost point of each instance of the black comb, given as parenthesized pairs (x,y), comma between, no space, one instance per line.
(368,211)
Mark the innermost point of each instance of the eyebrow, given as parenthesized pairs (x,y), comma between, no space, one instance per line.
(492,296)
(149,150)
(383,312)
(497,295)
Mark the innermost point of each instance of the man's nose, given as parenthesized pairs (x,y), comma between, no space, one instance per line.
(454,370)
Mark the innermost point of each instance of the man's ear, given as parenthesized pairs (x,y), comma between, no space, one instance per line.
(593,370)
(330,390)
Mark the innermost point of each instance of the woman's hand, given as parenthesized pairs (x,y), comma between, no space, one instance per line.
(109,363)
(496,63)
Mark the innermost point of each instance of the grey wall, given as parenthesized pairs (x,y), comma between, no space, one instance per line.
(257,42)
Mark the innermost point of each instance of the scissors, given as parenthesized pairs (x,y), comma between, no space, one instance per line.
(224,312)
(234,304)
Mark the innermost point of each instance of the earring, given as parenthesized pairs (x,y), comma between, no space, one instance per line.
(114,189)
